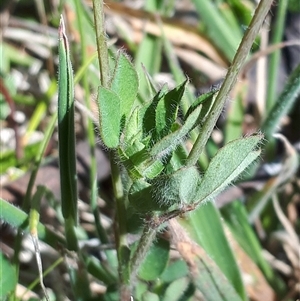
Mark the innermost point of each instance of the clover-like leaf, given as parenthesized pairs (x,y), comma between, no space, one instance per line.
(149,296)
(166,145)
(140,196)
(132,170)
(109,117)
(176,289)
(149,116)
(229,162)
(167,110)
(125,84)
(176,188)
(133,130)
(151,268)
(205,101)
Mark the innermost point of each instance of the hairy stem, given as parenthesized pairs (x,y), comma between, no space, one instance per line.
(143,247)
(101,42)
(230,80)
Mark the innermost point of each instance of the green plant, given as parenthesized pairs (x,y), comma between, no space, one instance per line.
(156,178)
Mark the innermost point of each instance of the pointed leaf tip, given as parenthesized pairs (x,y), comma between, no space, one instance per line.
(61,28)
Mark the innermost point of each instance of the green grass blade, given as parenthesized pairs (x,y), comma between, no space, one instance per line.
(274,61)
(205,227)
(148,55)
(19,219)
(38,160)
(66,134)
(177,72)
(284,103)
(101,43)
(236,218)
(218,29)
(8,277)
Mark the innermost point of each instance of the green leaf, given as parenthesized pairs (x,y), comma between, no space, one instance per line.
(167,109)
(176,188)
(8,277)
(209,280)
(283,104)
(133,131)
(149,117)
(125,84)
(17,218)
(140,289)
(109,117)
(66,131)
(149,296)
(151,267)
(175,270)
(229,162)
(236,217)
(138,162)
(140,196)
(151,168)
(204,226)
(176,289)
(206,101)
(132,170)
(218,28)
(169,143)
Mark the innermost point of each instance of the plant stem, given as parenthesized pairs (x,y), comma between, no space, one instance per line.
(230,80)
(121,231)
(145,242)
(101,42)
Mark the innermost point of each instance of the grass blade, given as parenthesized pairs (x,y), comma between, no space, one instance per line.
(236,218)
(274,62)
(283,104)
(218,28)
(209,264)
(19,219)
(66,135)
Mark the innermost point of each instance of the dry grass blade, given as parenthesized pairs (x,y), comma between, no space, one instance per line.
(294,239)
